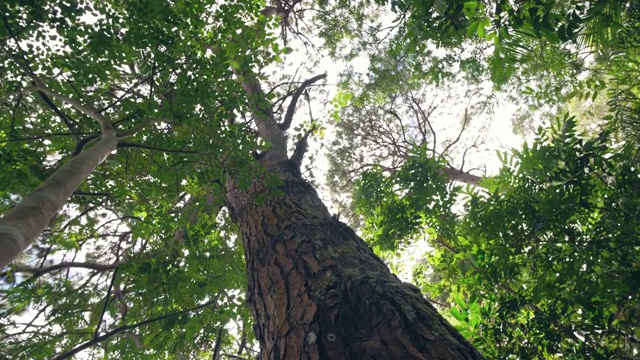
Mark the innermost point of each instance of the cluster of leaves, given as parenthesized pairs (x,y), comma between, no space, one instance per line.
(566,21)
(139,264)
(542,262)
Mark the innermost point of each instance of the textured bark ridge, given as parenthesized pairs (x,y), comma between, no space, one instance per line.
(317,291)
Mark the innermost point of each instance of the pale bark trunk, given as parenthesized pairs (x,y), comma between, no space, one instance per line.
(21,226)
(317,291)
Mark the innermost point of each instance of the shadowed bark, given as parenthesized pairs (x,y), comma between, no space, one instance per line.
(317,291)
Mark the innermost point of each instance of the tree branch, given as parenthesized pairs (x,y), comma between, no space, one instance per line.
(288,117)
(461,176)
(106,302)
(120,329)
(64,265)
(91,194)
(105,124)
(260,107)
(82,143)
(123,144)
(301,147)
(216,349)
(70,125)
(42,137)
(19,92)
(135,129)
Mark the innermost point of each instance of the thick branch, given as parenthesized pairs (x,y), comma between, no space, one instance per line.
(265,122)
(82,143)
(301,147)
(288,117)
(461,176)
(21,226)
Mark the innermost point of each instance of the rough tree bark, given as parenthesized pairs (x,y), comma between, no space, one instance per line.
(316,290)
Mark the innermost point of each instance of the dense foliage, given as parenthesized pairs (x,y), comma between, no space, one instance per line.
(541,262)
(137,263)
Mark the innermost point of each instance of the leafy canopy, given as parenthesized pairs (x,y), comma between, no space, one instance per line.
(141,261)
(542,261)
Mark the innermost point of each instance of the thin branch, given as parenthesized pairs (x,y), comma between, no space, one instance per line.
(123,144)
(91,194)
(288,117)
(39,271)
(106,302)
(231,356)
(120,329)
(43,137)
(242,343)
(216,349)
(67,121)
(464,126)
(126,92)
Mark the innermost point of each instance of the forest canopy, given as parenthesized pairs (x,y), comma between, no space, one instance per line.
(158,161)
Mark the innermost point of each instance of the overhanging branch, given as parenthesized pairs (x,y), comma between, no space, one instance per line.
(288,117)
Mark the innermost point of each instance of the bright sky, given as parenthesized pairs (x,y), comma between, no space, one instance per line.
(496,126)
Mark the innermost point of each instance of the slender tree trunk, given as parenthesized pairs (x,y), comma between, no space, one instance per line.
(317,291)
(21,226)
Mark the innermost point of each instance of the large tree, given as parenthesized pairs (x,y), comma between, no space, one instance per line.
(513,267)
(174,77)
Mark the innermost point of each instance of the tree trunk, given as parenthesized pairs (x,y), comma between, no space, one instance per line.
(21,226)
(317,291)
